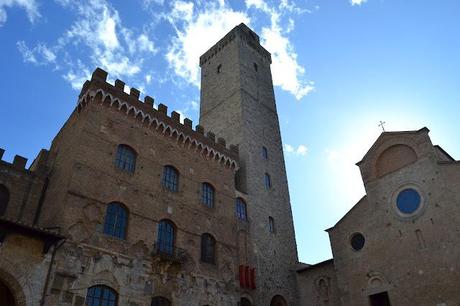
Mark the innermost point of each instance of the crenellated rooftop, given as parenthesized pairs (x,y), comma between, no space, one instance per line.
(19,162)
(245,34)
(100,91)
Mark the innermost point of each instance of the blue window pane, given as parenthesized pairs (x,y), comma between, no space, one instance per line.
(166,237)
(101,296)
(126,158)
(115,221)
(170,178)
(408,201)
(241,209)
(207,195)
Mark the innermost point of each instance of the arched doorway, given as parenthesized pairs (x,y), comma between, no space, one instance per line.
(245,302)
(6,296)
(278,300)
(160,301)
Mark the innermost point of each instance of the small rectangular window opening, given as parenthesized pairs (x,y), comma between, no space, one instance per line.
(219,68)
(255,67)
(264,153)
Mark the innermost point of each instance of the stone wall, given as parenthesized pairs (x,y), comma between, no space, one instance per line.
(237,102)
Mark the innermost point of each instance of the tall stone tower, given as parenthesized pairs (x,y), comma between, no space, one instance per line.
(238,103)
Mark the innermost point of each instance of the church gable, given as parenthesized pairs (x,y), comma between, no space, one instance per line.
(393,151)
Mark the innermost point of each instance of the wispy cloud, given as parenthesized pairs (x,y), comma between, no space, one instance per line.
(301,150)
(197,29)
(357,2)
(97,37)
(287,72)
(30,6)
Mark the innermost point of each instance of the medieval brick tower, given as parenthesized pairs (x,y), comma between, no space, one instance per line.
(238,103)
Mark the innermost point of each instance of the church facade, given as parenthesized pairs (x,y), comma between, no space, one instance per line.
(400,244)
(131,206)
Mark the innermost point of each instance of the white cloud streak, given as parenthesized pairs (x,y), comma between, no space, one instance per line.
(301,150)
(196,31)
(30,6)
(357,2)
(97,37)
(198,28)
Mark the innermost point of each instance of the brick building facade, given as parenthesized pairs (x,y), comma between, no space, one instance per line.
(130,206)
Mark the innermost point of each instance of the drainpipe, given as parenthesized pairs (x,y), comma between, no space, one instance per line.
(42,300)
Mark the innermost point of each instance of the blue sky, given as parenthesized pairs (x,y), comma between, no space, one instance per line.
(339,67)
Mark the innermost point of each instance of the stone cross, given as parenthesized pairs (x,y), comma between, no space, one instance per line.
(381,124)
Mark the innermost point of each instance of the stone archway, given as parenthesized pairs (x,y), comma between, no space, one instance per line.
(278,300)
(6,296)
(10,290)
(245,302)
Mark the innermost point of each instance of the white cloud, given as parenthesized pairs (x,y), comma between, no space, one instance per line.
(39,55)
(357,2)
(301,150)
(30,6)
(196,31)
(287,72)
(96,37)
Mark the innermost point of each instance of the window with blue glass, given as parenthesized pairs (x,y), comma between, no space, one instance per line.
(166,237)
(241,212)
(4,199)
(268,181)
(207,195)
(208,248)
(408,201)
(101,296)
(170,178)
(126,158)
(160,301)
(116,220)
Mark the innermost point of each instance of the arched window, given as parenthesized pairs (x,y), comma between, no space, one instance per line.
(208,248)
(271,224)
(207,195)
(166,237)
(160,301)
(278,300)
(245,302)
(268,181)
(126,158)
(101,296)
(4,199)
(264,153)
(241,209)
(116,220)
(170,178)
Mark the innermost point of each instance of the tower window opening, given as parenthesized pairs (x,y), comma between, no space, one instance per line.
(268,181)
(264,153)
(271,225)
(255,67)
(219,68)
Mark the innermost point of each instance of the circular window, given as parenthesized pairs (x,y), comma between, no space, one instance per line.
(408,201)
(357,241)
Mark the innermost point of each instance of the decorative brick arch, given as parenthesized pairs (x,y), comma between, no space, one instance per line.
(14,286)
(394,158)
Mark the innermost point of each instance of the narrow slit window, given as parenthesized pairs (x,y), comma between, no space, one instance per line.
(219,68)
(271,225)
(268,181)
